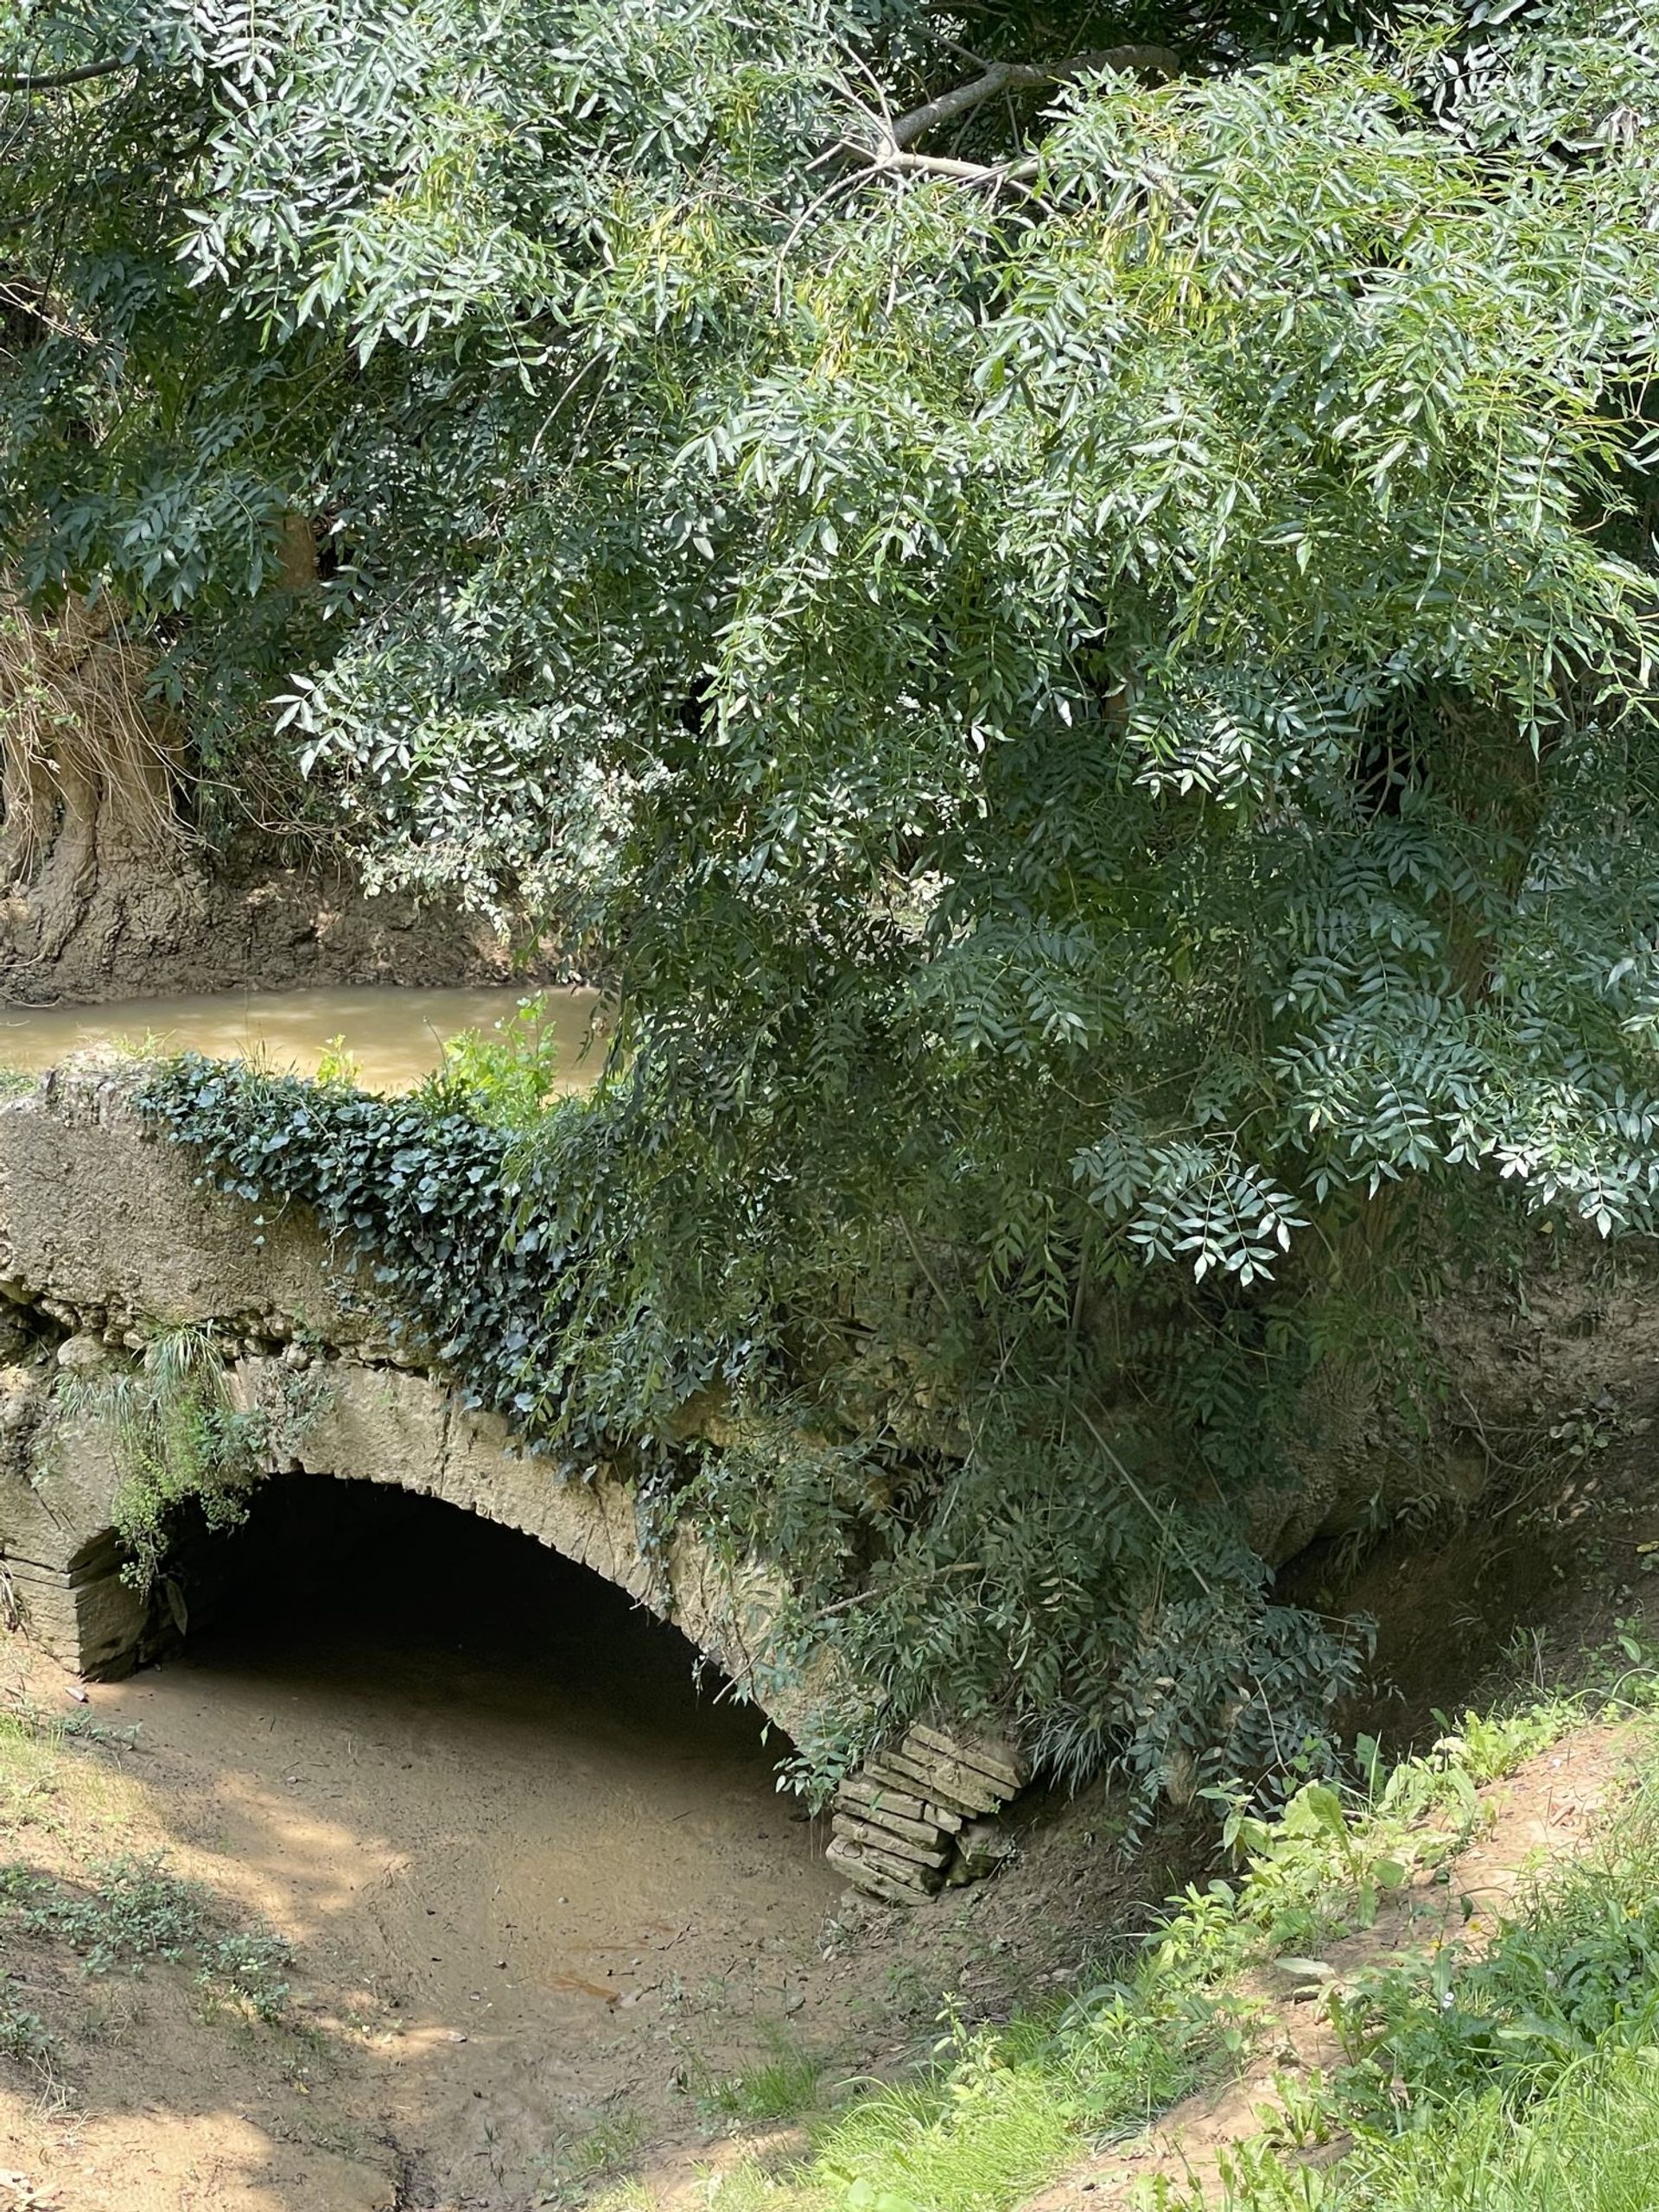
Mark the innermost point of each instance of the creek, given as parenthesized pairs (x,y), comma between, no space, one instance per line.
(394,1036)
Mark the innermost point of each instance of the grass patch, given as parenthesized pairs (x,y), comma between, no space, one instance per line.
(1001,2110)
(1521,2074)
(29,1723)
(131,1912)
(1592,2147)
(573,2171)
(1592,2144)
(787,2083)
(39,1786)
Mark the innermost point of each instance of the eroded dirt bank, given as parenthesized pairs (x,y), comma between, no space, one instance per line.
(249,922)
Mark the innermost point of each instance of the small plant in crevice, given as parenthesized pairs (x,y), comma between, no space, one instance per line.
(178,1437)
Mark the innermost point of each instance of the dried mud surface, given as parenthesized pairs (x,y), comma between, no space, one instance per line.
(545,1899)
(537,1888)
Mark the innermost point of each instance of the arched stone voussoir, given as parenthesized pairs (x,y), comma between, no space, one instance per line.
(392,1425)
(109,1234)
(363,1423)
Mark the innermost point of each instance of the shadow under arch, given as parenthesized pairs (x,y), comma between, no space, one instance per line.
(374,1428)
(376,1581)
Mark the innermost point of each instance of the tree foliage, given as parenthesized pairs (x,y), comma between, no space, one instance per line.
(1065,596)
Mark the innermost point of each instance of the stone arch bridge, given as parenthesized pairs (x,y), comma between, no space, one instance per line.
(105,1240)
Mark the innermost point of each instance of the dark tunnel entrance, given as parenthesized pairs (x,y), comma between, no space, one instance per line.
(534,1873)
(372,1583)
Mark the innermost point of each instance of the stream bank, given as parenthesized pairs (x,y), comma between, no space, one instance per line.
(250,922)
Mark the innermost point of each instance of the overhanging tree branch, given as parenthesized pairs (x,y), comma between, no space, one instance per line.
(893,137)
(1156,62)
(53,80)
(986,173)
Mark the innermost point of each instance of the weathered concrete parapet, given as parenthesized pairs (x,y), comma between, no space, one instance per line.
(104,1233)
(103,1222)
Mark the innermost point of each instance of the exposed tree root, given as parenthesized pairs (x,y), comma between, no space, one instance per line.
(94,844)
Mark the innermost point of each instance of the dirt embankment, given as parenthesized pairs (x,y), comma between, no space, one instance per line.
(109,888)
(1543,1814)
(251,925)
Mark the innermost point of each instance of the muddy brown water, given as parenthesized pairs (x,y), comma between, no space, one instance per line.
(395,1036)
(538,1875)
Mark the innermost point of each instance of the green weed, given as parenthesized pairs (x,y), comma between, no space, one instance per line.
(568,2175)
(507,1076)
(25,2040)
(134,1911)
(1577,1969)
(1002,2109)
(340,1064)
(23,1723)
(1498,2066)
(786,2084)
(177,1436)
(1589,2146)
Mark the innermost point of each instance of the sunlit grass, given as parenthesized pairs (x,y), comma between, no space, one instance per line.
(1002,2110)
(1592,2144)
(786,2084)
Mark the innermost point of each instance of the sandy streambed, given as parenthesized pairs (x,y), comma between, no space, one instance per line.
(541,1889)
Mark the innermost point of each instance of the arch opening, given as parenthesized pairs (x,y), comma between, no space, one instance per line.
(482,1792)
(370,1584)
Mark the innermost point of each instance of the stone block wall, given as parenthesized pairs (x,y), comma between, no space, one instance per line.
(105,1237)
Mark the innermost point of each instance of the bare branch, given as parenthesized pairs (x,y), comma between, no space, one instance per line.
(987,173)
(1153,61)
(53,80)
